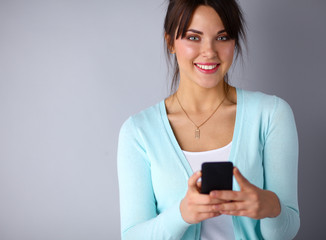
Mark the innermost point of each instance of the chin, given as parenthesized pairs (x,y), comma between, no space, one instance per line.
(209,84)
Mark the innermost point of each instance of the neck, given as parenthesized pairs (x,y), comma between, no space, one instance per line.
(197,99)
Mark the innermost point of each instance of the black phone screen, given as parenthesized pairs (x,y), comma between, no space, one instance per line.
(216,176)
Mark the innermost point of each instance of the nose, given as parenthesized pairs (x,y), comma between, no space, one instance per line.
(209,50)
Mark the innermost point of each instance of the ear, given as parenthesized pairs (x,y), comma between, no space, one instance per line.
(167,40)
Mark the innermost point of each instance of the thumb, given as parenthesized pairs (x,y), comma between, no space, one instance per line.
(192,182)
(242,181)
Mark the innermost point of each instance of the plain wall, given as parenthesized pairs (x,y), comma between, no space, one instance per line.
(72,71)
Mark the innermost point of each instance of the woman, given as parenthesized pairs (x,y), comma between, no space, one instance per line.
(161,148)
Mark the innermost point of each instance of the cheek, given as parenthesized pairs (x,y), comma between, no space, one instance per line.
(186,51)
(227,52)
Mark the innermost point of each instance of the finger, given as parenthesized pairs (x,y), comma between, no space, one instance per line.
(192,182)
(198,186)
(199,199)
(230,206)
(217,201)
(204,199)
(210,208)
(242,181)
(228,195)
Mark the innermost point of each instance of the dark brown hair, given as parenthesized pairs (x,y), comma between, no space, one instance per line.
(177,20)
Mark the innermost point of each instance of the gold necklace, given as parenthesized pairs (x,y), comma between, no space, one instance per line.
(197,131)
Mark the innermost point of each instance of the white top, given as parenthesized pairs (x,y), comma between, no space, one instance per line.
(220,227)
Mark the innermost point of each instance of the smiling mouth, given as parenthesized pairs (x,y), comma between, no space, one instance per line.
(206,67)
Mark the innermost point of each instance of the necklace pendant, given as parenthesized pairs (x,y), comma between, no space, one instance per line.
(197,133)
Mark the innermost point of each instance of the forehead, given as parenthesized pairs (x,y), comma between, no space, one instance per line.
(206,18)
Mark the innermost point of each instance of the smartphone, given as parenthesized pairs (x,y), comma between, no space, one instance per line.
(216,176)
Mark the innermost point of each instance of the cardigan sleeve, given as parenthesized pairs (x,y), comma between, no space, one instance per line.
(139,217)
(280,172)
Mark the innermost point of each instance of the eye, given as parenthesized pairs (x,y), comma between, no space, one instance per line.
(193,38)
(223,38)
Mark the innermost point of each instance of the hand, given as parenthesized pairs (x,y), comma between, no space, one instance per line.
(250,201)
(196,207)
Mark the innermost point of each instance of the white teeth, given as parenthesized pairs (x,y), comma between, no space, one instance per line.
(206,67)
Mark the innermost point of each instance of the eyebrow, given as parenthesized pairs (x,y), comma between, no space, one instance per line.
(201,33)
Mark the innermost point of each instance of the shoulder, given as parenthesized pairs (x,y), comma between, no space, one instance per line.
(265,114)
(144,119)
(144,130)
(258,102)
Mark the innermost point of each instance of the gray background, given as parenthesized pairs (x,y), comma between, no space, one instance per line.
(72,71)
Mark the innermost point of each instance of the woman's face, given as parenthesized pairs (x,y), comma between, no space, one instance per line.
(205,54)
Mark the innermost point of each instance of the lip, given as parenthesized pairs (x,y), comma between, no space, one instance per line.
(207,71)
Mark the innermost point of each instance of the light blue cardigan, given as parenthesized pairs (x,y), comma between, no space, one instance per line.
(153,170)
